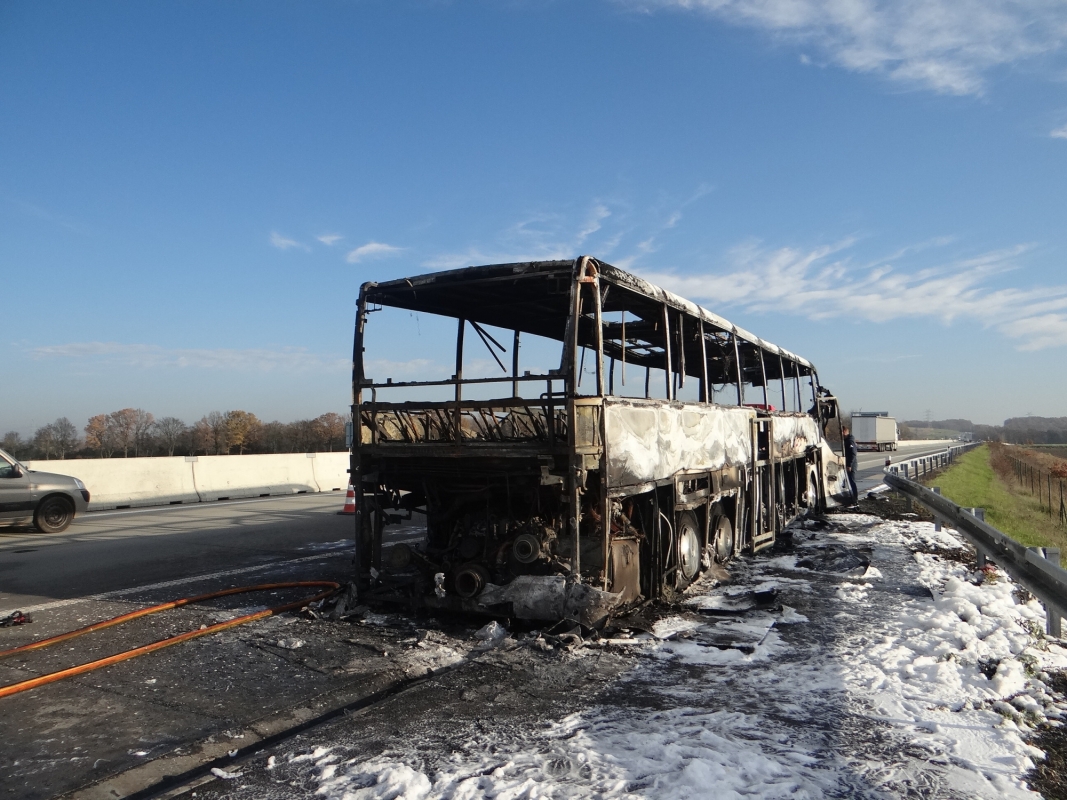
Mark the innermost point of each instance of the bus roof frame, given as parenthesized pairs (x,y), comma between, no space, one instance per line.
(455,293)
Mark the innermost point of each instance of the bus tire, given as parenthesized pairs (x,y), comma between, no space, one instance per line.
(721,536)
(687,548)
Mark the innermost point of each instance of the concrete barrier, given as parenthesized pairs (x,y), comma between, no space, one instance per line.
(331,471)
(118,482)
(230,477)
(130,482)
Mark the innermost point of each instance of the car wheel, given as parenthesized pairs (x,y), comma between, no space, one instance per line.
(53,514)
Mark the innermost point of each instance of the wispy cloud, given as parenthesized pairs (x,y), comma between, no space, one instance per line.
(288,359)
(1059,133)
(36,211)
(824,283)
(371,250)
(540,236)
(667,221)
(412,369)
(283,242)
(330,239)
(608,229)
(947,46)
(881,359)
(599,213)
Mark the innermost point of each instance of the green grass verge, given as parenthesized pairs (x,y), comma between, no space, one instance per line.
(971,481)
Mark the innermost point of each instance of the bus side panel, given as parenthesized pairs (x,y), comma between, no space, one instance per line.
(794,434)
(653,440)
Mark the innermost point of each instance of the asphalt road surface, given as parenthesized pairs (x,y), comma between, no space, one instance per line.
(105,551)
(870,465)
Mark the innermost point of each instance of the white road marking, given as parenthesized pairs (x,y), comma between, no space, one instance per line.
(164,584)
(188,506)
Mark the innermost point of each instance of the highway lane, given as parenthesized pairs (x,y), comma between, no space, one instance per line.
(106,551)
(870,465)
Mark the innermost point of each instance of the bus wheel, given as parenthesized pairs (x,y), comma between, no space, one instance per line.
(722,538)
(688,548)
(811,493)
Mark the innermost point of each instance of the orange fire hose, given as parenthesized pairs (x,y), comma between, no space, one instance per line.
(81,669)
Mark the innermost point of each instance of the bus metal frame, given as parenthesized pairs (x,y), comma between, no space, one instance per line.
(516,490)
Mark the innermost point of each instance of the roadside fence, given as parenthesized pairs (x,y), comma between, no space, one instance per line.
(1043,485)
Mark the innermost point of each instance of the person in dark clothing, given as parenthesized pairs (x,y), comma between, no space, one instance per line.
(851,453)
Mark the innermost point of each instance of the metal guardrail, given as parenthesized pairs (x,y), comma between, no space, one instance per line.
(923,465)
(1036,569)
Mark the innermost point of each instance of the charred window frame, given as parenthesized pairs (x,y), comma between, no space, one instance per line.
(811,380)
(753,376)
(668,348)
(723,366)
(773,386)
(612,334)
(637,333)
(465,302)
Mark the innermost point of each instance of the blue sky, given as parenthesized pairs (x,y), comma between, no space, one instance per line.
(191,193)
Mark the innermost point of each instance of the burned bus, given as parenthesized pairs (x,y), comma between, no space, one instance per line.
(639,439)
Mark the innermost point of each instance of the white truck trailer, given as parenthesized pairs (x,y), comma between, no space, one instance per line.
(874,430)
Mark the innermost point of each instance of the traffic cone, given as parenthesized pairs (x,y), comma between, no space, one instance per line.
(350,501)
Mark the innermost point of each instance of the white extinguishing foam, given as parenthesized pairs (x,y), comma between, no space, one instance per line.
(885,690)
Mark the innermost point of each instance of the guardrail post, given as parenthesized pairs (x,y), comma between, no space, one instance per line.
(979,513)
(937,519)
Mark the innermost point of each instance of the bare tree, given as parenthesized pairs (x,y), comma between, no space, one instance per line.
(64,436)
(123,424)
(275,437)
(302,435)
(210,433)
(44,441)
(169,432)
(143,423)
(15,444)
(202,437)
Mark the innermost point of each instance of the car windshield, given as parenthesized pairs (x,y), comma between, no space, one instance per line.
(4,455)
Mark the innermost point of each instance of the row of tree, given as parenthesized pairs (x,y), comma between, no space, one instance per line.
(1015,430)
(136,432)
